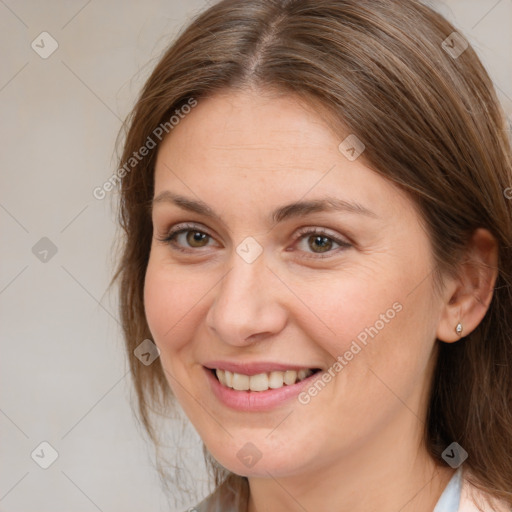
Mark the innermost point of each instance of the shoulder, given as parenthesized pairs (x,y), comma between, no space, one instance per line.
(200,507)
(473,499)
(212,503)
(204,506)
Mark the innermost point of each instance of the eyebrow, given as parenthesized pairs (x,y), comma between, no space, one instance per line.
(295,209)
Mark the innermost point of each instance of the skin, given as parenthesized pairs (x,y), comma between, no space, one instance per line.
(357,445)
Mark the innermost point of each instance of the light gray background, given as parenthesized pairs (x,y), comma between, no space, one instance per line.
(63,373)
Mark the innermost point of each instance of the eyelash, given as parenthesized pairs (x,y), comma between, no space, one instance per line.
(184,228)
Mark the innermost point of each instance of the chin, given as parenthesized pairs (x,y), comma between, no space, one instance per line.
(257,459)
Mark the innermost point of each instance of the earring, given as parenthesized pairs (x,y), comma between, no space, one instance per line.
(458,329)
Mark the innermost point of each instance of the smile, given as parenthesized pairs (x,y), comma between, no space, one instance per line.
(257,387)
(261,381)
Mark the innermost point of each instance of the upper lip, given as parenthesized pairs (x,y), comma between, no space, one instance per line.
(256,367)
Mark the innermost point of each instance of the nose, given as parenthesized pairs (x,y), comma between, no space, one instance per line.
(247,308)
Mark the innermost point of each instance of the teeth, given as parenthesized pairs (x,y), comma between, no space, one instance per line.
(258,382)
(290,377)
(275,380)
(241,382)
(262,381)
(221,376)
(302,374)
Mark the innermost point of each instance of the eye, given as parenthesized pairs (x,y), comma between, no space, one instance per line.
(321,242)
(188,235)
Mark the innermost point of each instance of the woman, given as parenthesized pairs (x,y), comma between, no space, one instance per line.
(318,241)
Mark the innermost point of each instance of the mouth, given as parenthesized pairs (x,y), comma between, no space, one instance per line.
(258,386)
(262,381)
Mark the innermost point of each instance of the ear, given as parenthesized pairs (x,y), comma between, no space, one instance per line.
(467,297)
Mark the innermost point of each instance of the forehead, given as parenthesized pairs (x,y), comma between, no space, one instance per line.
(253,123)
(265,146)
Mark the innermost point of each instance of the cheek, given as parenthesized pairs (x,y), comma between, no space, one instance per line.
(350,306)
(169,305)
(170,312)
(157,298)
(373,322)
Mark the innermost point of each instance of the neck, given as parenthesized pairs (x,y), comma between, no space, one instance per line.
(393,473)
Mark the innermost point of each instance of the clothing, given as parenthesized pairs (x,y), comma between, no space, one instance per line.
(458,496)
(449,500)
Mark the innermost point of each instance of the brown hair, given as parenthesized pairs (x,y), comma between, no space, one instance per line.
(431,123)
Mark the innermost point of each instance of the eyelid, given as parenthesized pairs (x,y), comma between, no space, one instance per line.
(301,232)
(311,231)
(183,227)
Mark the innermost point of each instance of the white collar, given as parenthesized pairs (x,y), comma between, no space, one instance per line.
(450,499)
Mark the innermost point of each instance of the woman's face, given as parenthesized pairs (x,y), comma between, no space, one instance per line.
(261,289)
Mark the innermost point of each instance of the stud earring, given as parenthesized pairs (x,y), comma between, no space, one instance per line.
(458,329)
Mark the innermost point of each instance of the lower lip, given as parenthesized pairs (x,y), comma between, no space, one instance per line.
(255,401)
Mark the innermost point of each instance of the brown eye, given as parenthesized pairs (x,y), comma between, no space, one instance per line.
(196,238)
(186,237)
(323,243)
(317,243)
